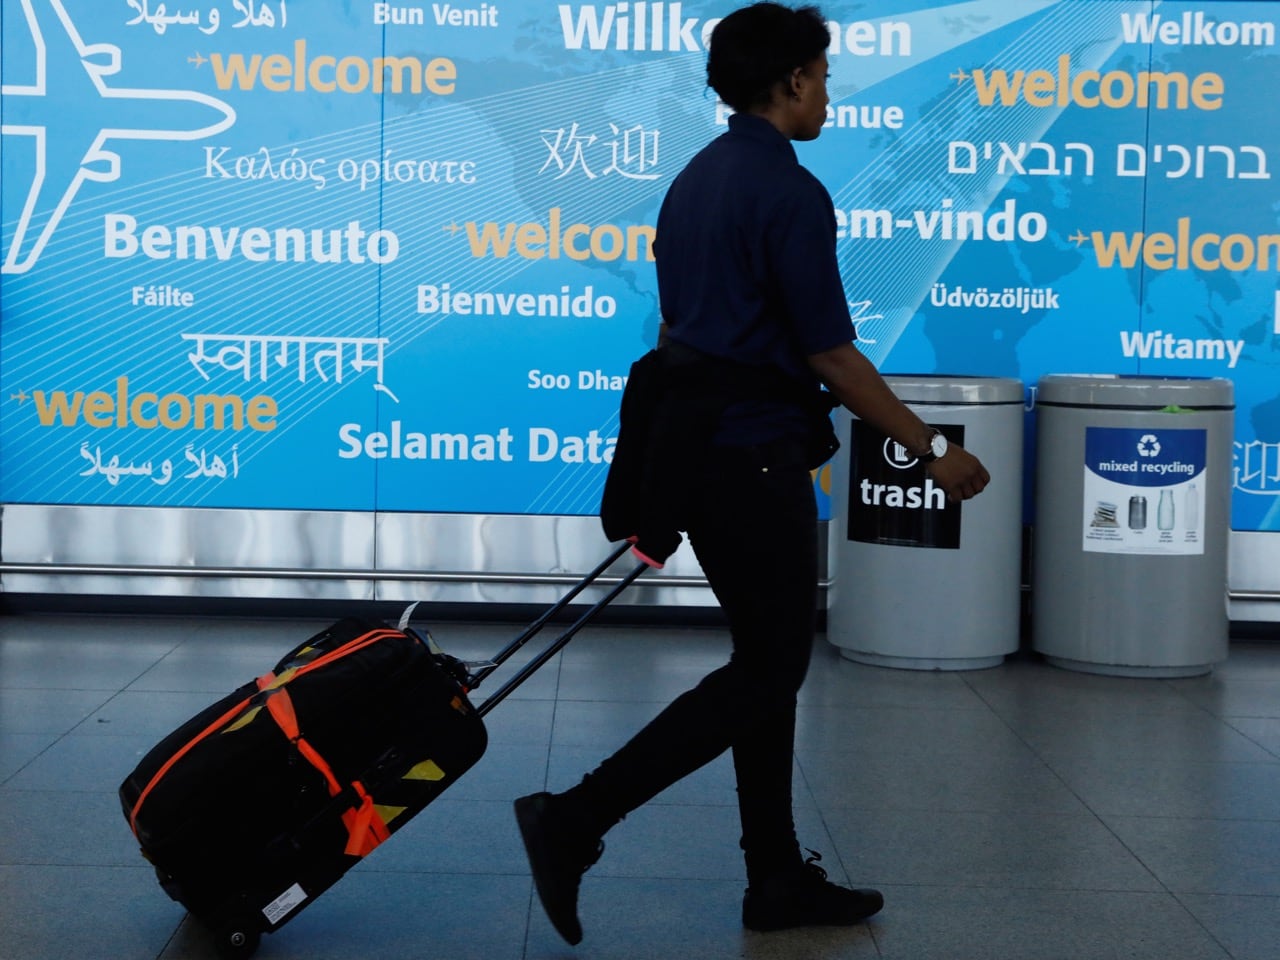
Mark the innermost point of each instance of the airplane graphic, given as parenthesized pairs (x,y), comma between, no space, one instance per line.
(69,107)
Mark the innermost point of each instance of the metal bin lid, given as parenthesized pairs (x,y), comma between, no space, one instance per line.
(943,388)
(1116,390)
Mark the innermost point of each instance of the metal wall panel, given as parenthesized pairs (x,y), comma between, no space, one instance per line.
(450,558)
(172,552)
(1253,573)
(457,558)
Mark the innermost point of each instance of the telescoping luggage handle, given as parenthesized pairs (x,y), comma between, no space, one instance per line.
(558,644)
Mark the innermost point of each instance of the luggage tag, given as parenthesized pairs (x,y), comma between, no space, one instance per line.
(463,670)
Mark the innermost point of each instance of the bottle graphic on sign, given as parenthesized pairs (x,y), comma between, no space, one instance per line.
(1164,512)
(1191,515)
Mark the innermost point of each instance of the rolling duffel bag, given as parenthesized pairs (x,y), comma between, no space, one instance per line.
(262,801)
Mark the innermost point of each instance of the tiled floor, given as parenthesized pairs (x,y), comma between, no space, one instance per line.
(1017,813)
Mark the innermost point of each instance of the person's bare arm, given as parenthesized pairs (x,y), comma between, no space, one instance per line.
(857,384)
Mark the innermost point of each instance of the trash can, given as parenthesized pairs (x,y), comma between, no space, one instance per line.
(1133,499)
(918,582)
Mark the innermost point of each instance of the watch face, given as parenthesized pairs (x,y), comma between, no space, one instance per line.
(938,444)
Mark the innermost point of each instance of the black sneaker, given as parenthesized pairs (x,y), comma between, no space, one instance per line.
(559,854)
(805,898)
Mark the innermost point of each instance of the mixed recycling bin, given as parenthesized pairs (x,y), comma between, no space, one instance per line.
(1133,499)
(918,582)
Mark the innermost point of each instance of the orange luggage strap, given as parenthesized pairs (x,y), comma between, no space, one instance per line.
(364,827)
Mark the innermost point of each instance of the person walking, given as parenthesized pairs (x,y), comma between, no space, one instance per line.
(748,281)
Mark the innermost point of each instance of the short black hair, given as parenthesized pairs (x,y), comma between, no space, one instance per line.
(755,47)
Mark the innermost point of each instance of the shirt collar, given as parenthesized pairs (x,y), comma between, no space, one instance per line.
(761,130)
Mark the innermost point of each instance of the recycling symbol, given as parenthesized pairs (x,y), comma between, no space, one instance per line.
(1149,446)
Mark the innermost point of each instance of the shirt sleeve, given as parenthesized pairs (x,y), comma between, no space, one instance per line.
(801,245)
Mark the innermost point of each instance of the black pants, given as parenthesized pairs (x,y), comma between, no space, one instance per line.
(753,527)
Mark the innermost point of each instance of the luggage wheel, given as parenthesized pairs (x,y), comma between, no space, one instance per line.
(236,941)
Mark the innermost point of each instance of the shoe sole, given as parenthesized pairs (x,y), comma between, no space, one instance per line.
(870,909)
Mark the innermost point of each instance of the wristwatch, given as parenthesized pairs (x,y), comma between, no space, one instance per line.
(937,447)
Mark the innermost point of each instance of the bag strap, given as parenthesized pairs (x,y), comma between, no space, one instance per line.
(365,828)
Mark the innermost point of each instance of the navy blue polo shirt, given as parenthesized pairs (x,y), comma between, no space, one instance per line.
(746,262)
